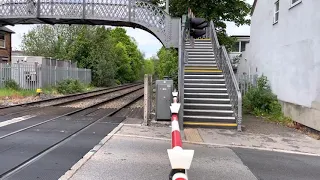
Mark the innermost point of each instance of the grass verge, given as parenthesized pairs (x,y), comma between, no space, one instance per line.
(5,92)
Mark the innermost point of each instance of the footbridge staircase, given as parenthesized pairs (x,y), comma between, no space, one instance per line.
(209,92)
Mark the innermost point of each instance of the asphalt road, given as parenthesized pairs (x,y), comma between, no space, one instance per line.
(132,157)
(268,165)
(143,159)
(48,150)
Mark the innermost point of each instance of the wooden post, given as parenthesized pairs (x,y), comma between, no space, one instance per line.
(146,100)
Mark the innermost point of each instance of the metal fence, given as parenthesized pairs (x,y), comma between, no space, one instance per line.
(33,76)
(246,81)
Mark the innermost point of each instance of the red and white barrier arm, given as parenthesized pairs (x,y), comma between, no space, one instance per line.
(180,159)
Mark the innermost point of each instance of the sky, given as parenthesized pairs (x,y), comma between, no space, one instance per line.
(147,43)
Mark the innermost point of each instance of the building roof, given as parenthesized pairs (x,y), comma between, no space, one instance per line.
(240,36)
(253,6)
(6,30)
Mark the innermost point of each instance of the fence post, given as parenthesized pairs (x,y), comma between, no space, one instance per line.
(180,159)
(55,75)
(146,100)
(85,76)
(19,74)
(150,96)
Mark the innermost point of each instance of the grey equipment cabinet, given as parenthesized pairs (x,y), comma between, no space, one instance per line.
(164,99)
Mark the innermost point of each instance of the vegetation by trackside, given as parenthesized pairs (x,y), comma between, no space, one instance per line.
(260,101)
(112,55)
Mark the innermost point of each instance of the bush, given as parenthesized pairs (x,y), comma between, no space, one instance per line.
(11,84)
(70,86)
(260,101)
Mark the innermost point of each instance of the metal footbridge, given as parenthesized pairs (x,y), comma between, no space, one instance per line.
(129,13)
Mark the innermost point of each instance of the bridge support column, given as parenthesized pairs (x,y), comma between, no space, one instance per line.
(167,6)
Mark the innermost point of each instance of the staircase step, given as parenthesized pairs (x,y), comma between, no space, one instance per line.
(206,95)
(206,41)
(199,49)
(210,119)
(199,44)
(207,100)
(213,81)
(201,59)
(200,65)
(207,106)
(210,124)
(203,71)
(188,47)
(204,80)
(189,72)
(204,63)
(207,112)
(200,53)
(203,85)
(196,76)
(205,90)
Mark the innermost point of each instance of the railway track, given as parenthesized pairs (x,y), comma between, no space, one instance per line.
(59,101)
(69,119)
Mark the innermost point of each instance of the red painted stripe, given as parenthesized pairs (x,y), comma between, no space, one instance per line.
(175,100)
(180,179)
(176,139)
(174,117)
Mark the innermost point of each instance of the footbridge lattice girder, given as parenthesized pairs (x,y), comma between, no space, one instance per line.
(131,13)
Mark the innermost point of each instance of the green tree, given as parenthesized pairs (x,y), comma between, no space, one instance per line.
(167,64)
(149,66)
(112,55)
(135,56)
(124,70)
(102,58)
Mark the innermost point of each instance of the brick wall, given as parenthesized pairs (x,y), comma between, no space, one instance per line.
(6,52)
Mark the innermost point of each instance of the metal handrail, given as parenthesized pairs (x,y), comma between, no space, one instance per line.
(182,61)
(224,63)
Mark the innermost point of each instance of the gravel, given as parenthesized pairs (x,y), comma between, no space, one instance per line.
(9,101)
(71,98)
(90,102)
(118,103)
(138,104)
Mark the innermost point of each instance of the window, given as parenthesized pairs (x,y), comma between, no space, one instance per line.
(239,46)
(236,47)
(243,45)
(2,41)
(276,12)
(295,2)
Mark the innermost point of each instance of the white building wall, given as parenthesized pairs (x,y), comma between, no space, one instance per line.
(288,52)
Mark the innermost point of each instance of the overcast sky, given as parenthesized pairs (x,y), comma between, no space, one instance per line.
(147,43)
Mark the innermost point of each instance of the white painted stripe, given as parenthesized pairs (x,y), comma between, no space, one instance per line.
(179,175)
(15,120)
(226,145)
(175,126)
(177,148)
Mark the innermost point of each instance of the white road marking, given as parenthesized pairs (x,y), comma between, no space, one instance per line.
(15,120)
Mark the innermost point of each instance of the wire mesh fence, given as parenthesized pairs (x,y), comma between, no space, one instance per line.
(33,76)
(247,81)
